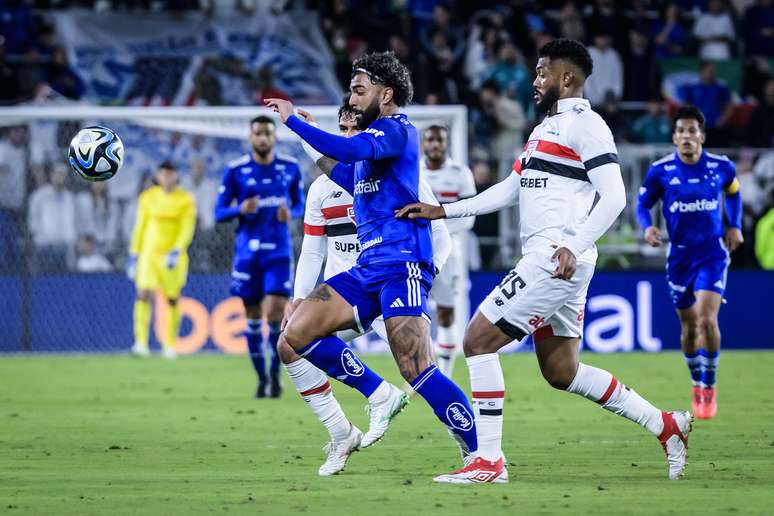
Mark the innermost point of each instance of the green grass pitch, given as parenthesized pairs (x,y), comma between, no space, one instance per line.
(115,435)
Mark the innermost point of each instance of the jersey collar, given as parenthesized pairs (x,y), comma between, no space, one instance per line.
(568,103)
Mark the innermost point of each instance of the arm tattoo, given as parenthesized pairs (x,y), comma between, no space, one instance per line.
(326,164)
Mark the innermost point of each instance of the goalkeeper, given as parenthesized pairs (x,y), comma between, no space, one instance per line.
(166,218)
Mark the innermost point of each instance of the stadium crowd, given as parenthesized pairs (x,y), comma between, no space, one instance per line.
(480,54)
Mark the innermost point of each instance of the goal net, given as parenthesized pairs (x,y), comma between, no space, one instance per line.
(64,241)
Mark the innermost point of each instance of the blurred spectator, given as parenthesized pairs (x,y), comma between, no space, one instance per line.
(453,35)
(760,127)
(759,29)
(511,74)
(653,126)
(480,54)
(608,70)
(13,166)
(764,240)
(638,72)
(444,67)
(89,260)
(610,111)
(62,78)
(204,190)
(669,34)
(17,27)
(605,18)
(51,222)
(571,24)
(714,29)
(265,88)
(95,216)
(712,98)
(499,123)
(10,89)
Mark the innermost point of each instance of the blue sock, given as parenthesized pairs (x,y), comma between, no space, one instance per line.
(274,333)
(449,404)
(255,345)
(693,361)
(709,367)
(339,361)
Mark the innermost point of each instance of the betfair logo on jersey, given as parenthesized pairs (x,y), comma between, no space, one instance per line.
(534,182)
(271,202)
(376,132)
(363,186)
(697,205)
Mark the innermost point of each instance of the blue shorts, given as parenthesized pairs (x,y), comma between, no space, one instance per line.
(391,289)
(689,270)
(253,278)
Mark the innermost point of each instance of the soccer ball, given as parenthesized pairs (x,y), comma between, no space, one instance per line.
(96,153)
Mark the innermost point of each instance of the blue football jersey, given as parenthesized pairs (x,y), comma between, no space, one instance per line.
(692,197)
(276,184)
(381,186)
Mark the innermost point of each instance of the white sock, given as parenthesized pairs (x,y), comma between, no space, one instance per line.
(314,388)
(446,348)
(380,394)
(488,392)
(602,387)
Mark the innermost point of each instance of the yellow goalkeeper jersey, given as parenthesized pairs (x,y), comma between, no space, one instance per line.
(165,221)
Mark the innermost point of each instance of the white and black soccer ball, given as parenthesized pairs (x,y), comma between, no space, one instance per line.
(96,153)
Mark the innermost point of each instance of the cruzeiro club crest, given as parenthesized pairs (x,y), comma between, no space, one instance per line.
(459,417)
(351,364)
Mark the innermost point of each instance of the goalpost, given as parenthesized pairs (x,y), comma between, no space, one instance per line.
(214,135)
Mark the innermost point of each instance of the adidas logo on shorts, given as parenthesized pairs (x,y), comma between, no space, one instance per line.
(397,303)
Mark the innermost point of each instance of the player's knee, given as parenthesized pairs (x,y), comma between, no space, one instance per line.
(144,295)
(707,324)
(691,329)
(172,301)
(253,311)
(476,343)
(445,316)
(558,377)
(286,353)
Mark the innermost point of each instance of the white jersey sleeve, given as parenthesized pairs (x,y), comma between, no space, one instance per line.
(314,245)
(442,244)
(467,190)
(592,140)
(490,200)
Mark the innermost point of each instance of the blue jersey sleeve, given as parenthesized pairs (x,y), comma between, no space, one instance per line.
(340,148)
(387,137)
(226,196)
(650,192)
(296,194)
(343,174)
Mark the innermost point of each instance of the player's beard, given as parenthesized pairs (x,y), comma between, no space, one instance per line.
(262,153)
(549,98)
(368,116)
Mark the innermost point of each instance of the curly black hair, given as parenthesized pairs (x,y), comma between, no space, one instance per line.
(688,112)
(345,108)
(570,50)
(384,68)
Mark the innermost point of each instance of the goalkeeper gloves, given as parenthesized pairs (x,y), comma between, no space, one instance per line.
(172,258)
(131,266)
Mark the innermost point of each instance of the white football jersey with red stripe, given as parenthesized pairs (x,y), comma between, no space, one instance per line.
(555,195)
(450,183)
(329,213)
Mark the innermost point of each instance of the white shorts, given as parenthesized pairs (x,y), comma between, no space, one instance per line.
(446,283)
(529,298)
(377,327)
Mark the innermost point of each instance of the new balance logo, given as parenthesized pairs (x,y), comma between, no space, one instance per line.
(397,303)
(674,181)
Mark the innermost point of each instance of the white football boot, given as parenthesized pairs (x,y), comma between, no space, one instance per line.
(339,451)
(138,350)
(382,413)
(169,353)
(674,440)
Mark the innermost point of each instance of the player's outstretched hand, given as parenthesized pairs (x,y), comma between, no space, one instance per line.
(283,107)
(289,309)
(420,210)
(566,266)
(306,116)
(733,239)
(249,205)
(283,213)
(653,236)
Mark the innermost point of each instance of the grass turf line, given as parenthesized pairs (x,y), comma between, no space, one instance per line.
(111,434)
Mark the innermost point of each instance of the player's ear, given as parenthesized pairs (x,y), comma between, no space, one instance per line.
(702,136)
(387,95)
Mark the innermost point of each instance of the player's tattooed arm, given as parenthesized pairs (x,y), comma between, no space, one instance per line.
(410,344)
(326,164)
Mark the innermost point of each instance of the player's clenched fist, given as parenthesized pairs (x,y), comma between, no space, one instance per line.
(249,205)
(421,210)
(283,107)
(733,239)
(653,236)
(283,213)
(565,268)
